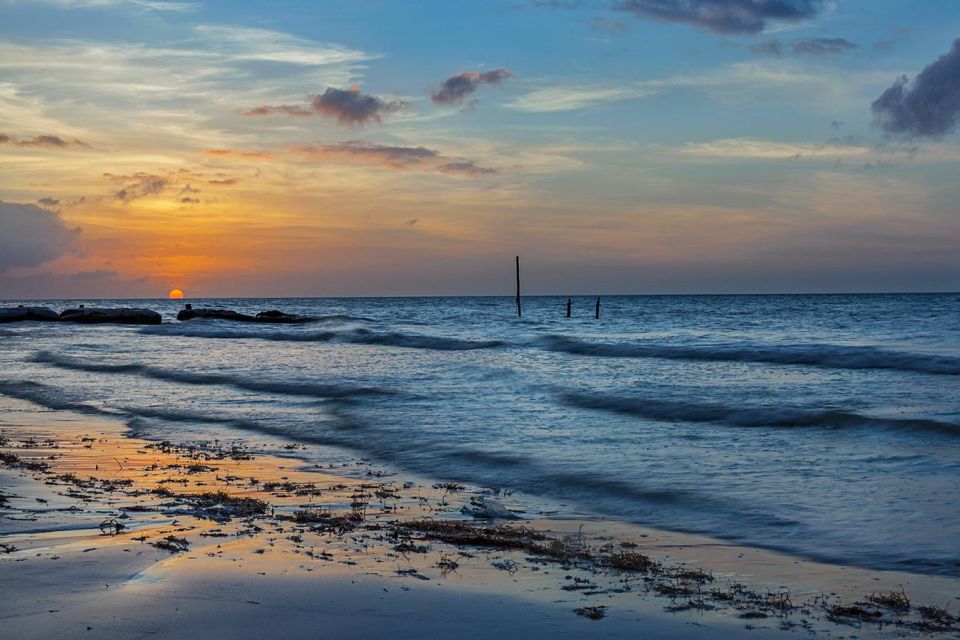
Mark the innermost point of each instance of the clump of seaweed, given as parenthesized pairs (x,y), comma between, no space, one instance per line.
(172,544)
(856,612)
(7,548)
(593,613)
(220,506)
(626,560)
(934,618)
(894,600)
(111,526)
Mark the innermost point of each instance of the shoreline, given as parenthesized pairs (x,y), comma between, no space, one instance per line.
(80,491)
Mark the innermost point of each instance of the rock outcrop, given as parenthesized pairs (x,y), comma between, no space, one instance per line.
(111,316)
(279,317)
(215,314)
(21,314)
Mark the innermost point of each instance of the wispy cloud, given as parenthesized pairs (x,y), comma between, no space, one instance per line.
(47,141)
(732,84)
(570,98)
(742,17)
(152,5)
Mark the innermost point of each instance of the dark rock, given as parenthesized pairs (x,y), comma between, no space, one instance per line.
(111,316)
(214,314)
(279,317)
(20,314)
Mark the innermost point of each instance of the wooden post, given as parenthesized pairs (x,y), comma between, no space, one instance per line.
(519,310)
(569,307)
(189,306)
(598,307)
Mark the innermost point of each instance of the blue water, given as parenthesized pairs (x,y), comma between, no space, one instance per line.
(823,425)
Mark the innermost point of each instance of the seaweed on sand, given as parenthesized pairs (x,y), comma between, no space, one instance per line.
(593,613)
(220,506)
(934,618)
(172,544)
(856,612)
(894,600)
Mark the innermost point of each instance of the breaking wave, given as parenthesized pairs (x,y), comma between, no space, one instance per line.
(356,336)
(680,411)
(324,391)
(820,355)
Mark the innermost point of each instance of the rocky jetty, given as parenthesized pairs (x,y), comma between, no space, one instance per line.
(214,314)
(279,317)
(124,315)
(22,313)
(269,317)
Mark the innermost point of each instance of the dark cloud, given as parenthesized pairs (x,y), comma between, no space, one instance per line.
(392,157)
(30,235)
(137,185)
(282,109)
(466,168)
(349,107)
(49,202)
(190,200)
(455,88)
(823,46)
(412,222)
(419,159)
(722,16)
(926,107)
(42,141)
(771,47)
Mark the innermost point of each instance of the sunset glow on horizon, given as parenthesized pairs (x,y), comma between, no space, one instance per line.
(390,148)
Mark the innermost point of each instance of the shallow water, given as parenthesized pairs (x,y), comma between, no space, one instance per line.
(825,425)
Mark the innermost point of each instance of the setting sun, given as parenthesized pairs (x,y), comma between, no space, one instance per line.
(175,294)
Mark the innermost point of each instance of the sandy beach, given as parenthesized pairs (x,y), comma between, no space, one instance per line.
(110,536)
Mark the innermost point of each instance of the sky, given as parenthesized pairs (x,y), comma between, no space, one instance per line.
(414,147)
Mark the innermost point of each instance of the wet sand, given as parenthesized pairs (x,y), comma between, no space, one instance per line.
(110,536)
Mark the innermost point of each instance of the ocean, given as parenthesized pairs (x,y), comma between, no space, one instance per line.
(825,426)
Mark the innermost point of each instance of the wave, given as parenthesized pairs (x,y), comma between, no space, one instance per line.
(820,355)
(324,391)
(680,411)
(214,330)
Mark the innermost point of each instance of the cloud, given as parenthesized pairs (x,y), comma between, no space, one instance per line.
(46,141)
(225,182)
(153,5)
(349,107)
(395,157)
(455,88)
(233,153)
(392,157)
(567,98)
(138,185)
(823,46)
(928,106)
(49,202)
(722,16)
(779,81)
(30,235)
(770,47)
(469,169)
(746,148)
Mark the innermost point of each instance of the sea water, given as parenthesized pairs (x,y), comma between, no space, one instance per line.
(823,425)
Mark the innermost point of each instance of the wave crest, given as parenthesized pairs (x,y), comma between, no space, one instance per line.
(820,355)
